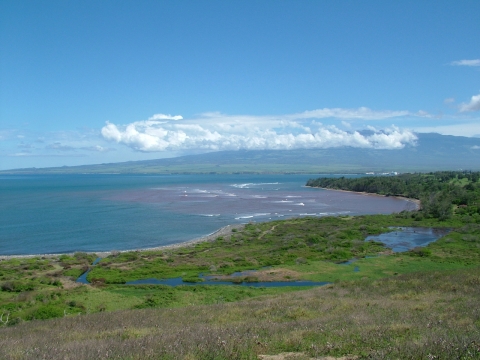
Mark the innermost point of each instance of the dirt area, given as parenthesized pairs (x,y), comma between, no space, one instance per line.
(69,284)
(268,275)
(302,356)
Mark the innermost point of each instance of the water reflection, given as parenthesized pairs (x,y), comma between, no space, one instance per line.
(407,238)
(404,239)
(83,278)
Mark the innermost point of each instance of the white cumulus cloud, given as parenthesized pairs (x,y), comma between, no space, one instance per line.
(216,131)
(474,62)
(165,117)
(473,105)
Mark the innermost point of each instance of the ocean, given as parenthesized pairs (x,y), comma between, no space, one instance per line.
(45,214)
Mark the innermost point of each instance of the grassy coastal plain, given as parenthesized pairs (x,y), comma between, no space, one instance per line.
(422,303)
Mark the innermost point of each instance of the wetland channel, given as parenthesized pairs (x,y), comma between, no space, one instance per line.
(400,239)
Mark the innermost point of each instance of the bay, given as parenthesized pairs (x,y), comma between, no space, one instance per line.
(45,214)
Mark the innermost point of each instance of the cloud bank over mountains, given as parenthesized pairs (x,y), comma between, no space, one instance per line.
(216,132)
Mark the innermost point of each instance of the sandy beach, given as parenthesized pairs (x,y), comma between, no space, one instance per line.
(414,201)
(226,230)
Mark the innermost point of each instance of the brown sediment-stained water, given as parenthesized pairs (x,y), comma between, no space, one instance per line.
(263,201)
(93,213)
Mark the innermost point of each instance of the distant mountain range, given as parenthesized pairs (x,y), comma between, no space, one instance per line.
(432,152)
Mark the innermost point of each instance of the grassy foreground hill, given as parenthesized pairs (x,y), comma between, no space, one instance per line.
(428,315)
(421,304)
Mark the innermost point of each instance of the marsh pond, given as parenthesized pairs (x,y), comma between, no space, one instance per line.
(400,239)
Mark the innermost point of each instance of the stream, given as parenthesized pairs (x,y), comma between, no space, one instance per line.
(400,240)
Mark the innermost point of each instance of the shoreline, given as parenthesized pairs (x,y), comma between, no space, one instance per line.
(414,201)
(226,230)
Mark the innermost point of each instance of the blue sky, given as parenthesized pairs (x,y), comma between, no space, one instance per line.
(86,82)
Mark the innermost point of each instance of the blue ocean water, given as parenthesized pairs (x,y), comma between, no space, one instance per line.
(42,214)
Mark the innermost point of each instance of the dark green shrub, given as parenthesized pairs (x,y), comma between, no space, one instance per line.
(15,321)
(192,279)
(8,286)
(17,286)
(47,312)
(314,239)
(420,251)
(128,256)
(340,254)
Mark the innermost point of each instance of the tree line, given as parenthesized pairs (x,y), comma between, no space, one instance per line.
(442,194)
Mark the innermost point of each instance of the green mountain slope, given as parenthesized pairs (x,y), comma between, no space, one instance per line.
(433,152)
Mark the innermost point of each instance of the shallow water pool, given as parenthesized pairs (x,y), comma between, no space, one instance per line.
(407,238)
